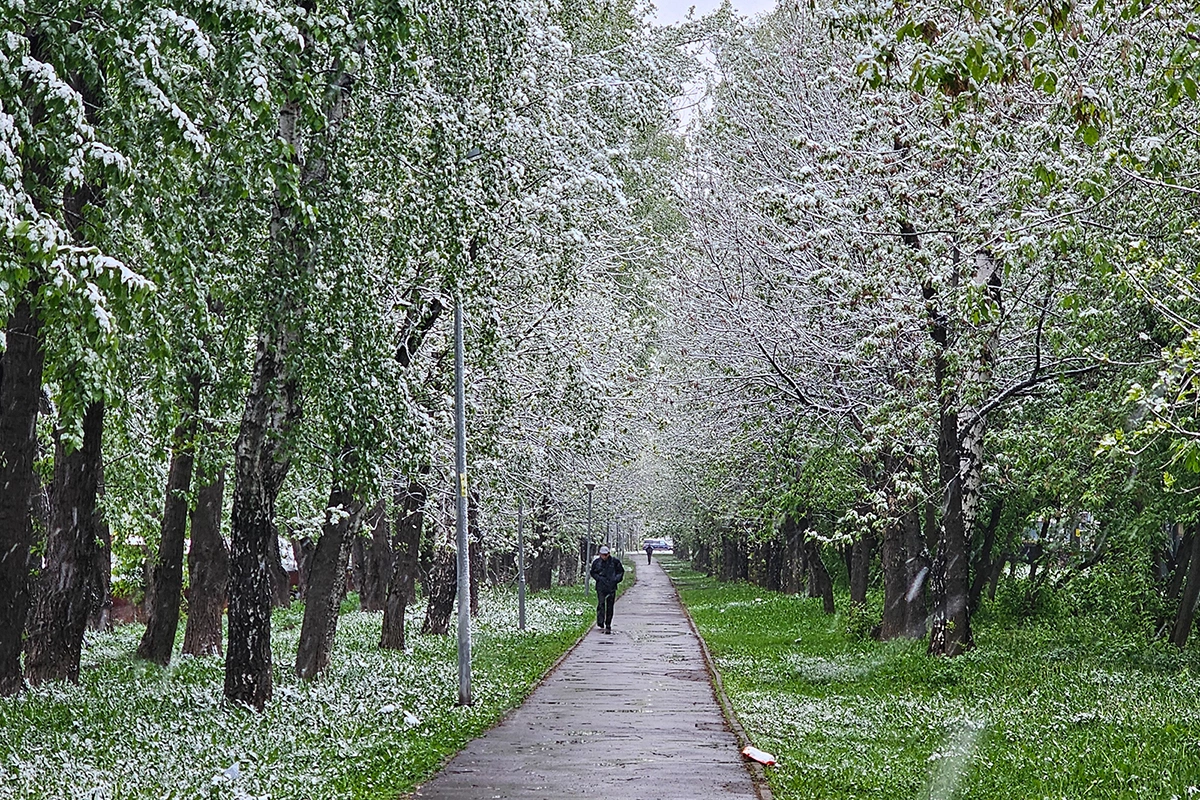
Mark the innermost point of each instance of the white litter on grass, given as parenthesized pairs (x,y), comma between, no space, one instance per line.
(761,756)
(410,719)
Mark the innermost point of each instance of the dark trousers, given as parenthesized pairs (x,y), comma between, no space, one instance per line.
(604,608)
(648,554)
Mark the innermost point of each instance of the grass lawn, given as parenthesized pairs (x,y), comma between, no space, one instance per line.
(374,726)
(1067,708)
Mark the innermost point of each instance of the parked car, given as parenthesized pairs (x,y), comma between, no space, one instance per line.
(656,544)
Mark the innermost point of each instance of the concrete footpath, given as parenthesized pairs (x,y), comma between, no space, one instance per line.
(626,716)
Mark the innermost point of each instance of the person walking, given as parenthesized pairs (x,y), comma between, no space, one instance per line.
(607,571)
(649,552)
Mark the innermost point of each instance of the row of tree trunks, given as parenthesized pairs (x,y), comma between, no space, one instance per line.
(208,571)
(734,564)
(766,565)
(20,396)
(158,642)
(66,591)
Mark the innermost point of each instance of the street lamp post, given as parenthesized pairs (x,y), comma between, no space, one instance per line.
(460,466)
(587,568)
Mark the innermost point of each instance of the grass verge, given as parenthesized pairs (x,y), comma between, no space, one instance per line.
(376,725)
(1067,708)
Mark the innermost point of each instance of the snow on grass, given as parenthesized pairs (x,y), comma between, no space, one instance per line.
(375,725)
(1067,709)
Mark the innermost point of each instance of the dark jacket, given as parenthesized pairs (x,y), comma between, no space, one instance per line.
(607,574)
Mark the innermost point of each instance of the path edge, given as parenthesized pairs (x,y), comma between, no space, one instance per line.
(758,773)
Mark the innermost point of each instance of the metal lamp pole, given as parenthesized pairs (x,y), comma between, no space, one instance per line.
(521,563)
(587,568)
(460,466)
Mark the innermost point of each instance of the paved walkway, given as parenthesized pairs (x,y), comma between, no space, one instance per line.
(626,716)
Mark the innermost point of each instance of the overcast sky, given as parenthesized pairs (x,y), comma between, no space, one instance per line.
(669,11)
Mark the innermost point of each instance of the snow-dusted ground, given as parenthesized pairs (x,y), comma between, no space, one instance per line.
(372,726)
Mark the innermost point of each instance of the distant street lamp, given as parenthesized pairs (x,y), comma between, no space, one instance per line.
(587,567)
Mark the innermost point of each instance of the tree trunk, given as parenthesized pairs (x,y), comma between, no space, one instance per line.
(983,564)
(281,581)
(539,566)
(261,464)
(442,586)
(917,574)
(208,571)
(1187,602)
(951,628)
(262,453)
(539,569)
(793,556)
(568,566)
(775,561)
(20,394)
(475,551)
(1183,557)
(378,562)
(893,562)
(326,583)
(406,544)
(994,579)
(731,568)
(100,618)
(66,588)
(860,567)
(357,567)
(951,631)
(822,585)
(302,551)
(158,641)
